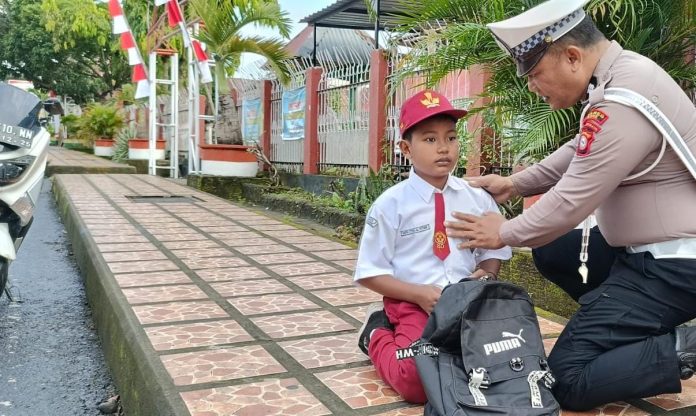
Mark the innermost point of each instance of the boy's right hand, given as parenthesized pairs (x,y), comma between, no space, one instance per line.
(501,188)
(428,295)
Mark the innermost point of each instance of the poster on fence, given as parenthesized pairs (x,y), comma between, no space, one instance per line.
(293,114)
(252,120)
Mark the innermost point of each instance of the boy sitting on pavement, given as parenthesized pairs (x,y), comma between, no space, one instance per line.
(405,254)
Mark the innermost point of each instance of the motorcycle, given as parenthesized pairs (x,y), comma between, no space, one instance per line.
(23,153)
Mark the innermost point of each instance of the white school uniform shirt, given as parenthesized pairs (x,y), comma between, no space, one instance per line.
(398,236)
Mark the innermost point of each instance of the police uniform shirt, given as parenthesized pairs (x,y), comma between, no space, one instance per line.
(614,142)
(398,236)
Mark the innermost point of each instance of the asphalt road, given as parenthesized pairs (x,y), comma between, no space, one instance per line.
(51,361)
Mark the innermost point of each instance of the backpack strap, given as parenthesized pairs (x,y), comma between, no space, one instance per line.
(415,349)
(478,379)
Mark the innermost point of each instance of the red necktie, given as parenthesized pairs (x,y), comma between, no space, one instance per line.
(440,243)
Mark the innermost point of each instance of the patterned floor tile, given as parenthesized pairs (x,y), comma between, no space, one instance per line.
(102,232)
(237,273)
(348,296)
(202,334)
(256,220)
(233,242)
(348,264)
(327,246)
(301,269)
(111,248)
(198,244)
(313,239)
(178,311)
(359,387)
(308,323)
(111,223)
(678,400)
(288,233)
(611,409)
(549,327)
(278,397)
(202,253)
(325,351)
(249,287)
(239,236)
(273,248)
(405,411)
(322,281)
(181,237)
(163,294)
(357,312)
(280,258)
(548,345)
(174,231)
(150,279)
(220,364)
(133,256)
(339,255)
(273,227)
(214,262)
(142,266)
(272,303)
(222,228)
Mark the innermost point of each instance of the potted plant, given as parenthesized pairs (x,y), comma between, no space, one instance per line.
(99,124)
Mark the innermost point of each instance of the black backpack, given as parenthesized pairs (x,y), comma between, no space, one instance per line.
(481,353)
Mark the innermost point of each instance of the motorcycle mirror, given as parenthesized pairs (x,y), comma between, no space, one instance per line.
(53,107)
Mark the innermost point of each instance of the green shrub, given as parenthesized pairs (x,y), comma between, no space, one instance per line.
(71,123)
(100,121)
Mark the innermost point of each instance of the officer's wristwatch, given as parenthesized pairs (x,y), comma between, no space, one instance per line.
(488,276)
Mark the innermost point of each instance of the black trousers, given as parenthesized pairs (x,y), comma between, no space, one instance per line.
(620,344)
(559,260)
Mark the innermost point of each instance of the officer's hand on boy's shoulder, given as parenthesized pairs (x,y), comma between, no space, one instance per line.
(428,296)
(501,188)
(476,231)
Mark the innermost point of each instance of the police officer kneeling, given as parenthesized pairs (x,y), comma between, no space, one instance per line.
(622,342)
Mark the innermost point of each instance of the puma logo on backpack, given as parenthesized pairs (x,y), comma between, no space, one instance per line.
(481,353)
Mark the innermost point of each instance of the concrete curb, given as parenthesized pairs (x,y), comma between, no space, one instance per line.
(143,383)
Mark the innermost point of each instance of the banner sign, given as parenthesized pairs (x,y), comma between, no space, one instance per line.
(252,120)
(293,105)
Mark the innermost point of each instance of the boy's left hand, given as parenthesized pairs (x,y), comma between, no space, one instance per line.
(476,231)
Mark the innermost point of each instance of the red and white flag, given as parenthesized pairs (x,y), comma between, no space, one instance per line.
(139,73)
(176,18)
(128,44)
(202,61)
(116,12)
(143,89)
(160,2)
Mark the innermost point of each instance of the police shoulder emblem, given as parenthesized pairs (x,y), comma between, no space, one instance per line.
(591,125)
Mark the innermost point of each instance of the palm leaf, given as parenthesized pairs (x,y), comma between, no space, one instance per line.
(663,30)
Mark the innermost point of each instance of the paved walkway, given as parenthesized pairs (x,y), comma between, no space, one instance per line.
(209,308)
(61,160)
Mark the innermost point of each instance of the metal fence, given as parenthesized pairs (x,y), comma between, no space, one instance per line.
(344,93)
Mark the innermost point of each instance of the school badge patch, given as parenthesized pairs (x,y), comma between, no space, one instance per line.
(591,125)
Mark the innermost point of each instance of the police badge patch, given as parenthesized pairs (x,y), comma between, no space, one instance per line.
(591,124)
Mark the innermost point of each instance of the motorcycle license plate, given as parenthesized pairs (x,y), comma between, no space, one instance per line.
(15,135)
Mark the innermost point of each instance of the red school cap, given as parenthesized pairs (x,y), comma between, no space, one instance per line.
(424,105)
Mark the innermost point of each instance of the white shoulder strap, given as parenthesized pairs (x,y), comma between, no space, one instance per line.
(659,120)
